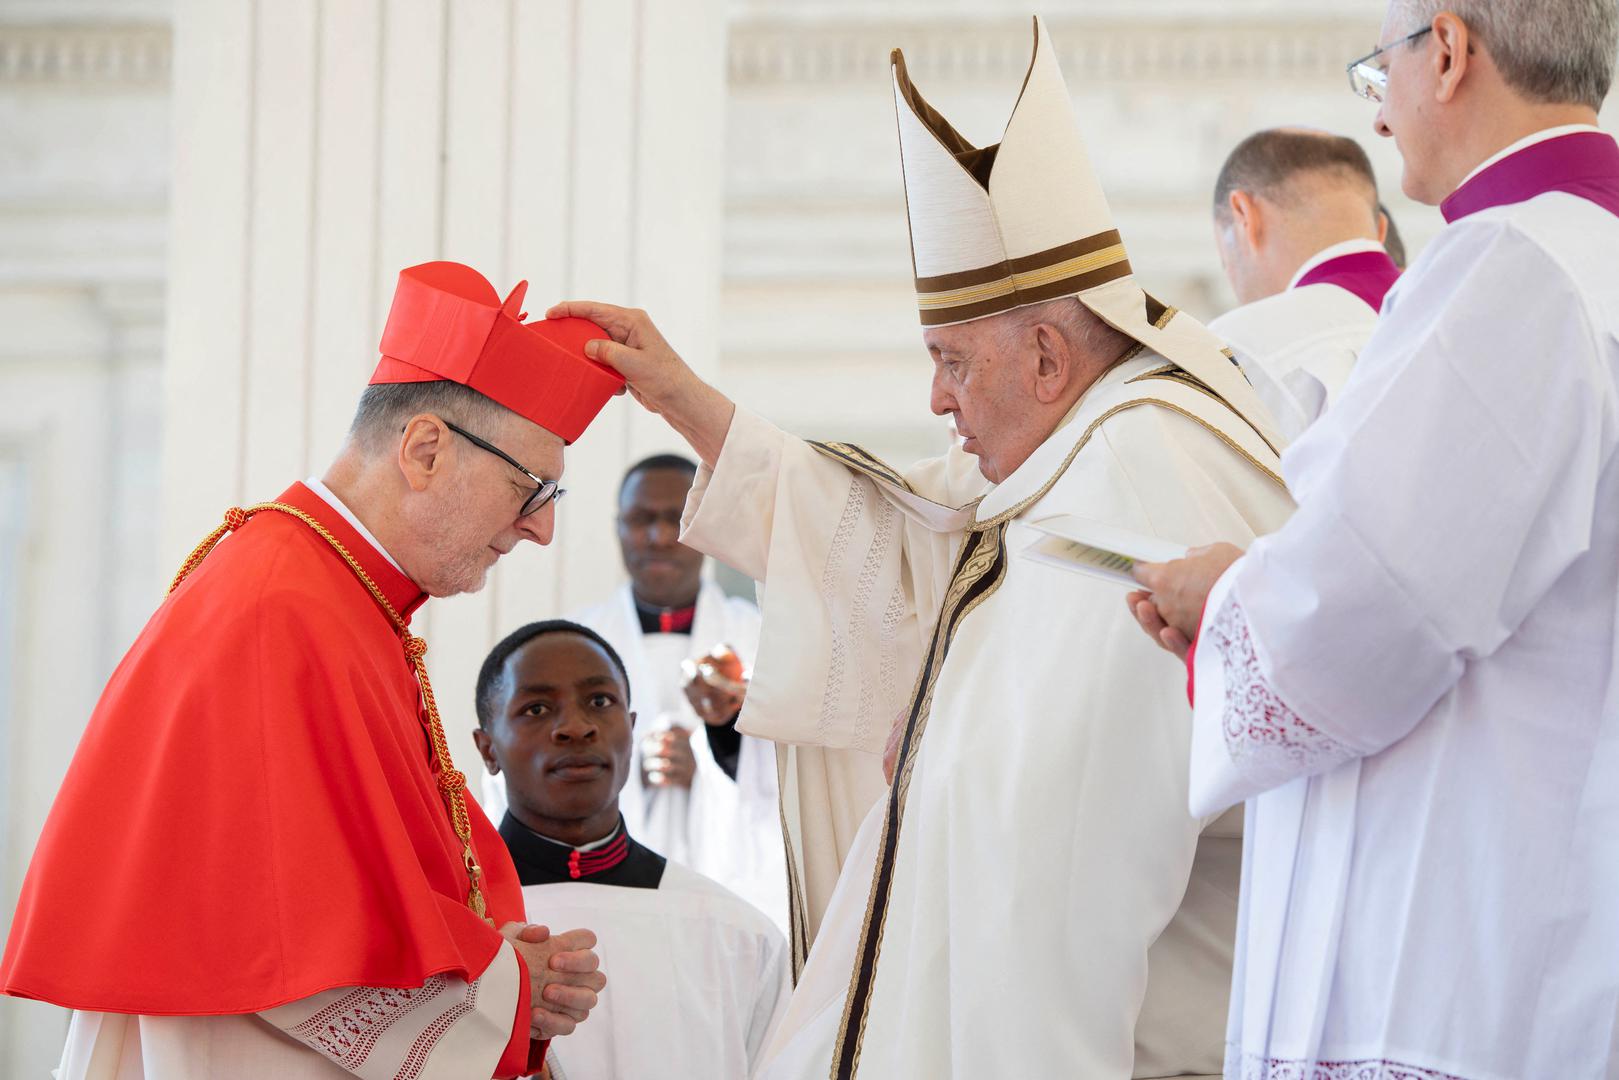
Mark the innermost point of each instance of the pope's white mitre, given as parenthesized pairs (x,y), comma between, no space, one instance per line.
(1025,221)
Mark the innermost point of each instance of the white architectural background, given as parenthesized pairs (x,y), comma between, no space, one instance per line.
(203,204)
(817,272)
(84,179)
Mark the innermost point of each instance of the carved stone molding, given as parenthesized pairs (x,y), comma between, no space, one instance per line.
(771,52)
(72,53)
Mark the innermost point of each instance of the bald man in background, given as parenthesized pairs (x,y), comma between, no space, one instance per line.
(1301,237)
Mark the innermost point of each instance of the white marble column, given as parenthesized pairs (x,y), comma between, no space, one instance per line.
(323,145)
(83,169)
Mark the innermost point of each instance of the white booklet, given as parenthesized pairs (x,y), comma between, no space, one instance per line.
(1098,550)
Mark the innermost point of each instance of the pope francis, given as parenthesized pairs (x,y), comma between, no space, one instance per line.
(1029,897)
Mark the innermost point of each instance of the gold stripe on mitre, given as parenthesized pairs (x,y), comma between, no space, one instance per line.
(1064,270)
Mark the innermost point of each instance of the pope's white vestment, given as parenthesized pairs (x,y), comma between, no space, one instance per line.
(1032,899)
(1413,682)
(724,828)
(699,978)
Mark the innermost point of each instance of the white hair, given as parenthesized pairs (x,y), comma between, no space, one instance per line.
(1552,51)
(1092,339)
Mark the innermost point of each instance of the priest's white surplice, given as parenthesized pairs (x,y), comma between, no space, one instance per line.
(1415,677)
(1031,900)
(698,977)
(1298,346)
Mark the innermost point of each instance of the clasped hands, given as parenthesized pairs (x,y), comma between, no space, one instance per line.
(563,972)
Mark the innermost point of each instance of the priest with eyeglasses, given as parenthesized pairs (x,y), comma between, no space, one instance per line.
(1412,684)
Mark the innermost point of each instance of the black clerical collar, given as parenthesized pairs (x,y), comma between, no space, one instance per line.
(618,861)
(662,620)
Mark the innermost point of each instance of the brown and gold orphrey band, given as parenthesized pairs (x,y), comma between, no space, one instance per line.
(452,783)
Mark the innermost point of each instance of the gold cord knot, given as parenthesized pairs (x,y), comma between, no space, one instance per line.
(451,781)
(235,518)
(415,649)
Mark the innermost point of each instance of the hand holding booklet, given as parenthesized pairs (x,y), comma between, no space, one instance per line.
(1098,550)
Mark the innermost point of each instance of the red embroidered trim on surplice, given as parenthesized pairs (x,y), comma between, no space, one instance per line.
(347,1030)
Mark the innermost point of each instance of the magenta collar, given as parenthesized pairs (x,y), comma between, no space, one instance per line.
(1367,274)
(1584,164)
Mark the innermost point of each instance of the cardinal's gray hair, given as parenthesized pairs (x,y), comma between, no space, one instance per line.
(1092,338)
(386,408)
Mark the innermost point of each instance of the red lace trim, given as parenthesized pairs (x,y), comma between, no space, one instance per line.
(348,1029)
(1260,729)
(416,1058)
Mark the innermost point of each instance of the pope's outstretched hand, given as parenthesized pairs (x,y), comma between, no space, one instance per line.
(564,976)
(657,376)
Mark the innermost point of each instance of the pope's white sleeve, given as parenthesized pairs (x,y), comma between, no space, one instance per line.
(731,510)
(840,636)
(445,1029)
(1447,491)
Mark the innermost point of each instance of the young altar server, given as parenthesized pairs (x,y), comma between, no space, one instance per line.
(1300,233)
(700,791)
(700,976)
(1413,682)
(263,861)
(1029,897)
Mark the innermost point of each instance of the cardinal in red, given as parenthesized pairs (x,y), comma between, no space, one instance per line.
(289,877)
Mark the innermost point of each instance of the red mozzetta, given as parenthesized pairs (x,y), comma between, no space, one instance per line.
(253,815)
